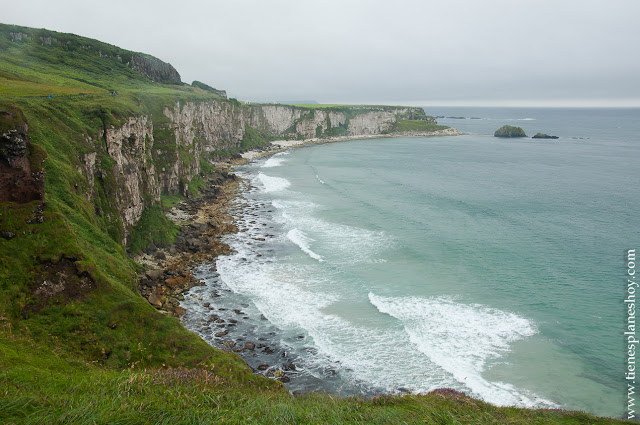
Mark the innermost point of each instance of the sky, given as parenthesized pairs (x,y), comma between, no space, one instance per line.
(411,52)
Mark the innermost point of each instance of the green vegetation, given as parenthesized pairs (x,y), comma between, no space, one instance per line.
(42,386)
(252,139)
(99,317)
(416,125)
(509,131)
(153,227)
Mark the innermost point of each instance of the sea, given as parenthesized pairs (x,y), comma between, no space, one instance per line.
(491,266)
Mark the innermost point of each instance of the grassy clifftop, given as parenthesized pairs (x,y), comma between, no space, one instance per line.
(78,344)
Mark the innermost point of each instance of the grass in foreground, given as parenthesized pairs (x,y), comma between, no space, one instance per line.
(38,386)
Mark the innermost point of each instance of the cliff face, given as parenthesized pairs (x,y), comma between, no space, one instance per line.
(147,156)
(154,69)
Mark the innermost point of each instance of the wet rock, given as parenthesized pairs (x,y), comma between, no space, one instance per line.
(229,344)
(250,346)
(221,334)
(206,304)
(284,379)
(179,310)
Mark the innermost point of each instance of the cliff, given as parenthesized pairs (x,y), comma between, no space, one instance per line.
(150,160)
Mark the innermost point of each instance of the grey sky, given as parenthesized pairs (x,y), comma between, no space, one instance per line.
(466,52)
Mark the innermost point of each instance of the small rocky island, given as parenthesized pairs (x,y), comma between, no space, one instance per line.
(544,136)
(509,131)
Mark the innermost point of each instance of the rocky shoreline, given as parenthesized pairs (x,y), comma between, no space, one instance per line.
(173,272)
(203,222)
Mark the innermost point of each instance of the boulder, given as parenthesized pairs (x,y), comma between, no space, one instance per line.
(155,300)
(154,274)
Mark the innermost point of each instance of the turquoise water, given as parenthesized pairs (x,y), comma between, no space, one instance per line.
(492,266)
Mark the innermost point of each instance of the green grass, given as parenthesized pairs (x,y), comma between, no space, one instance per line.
(416,126)
(46,386)
(153,227)
(106,324)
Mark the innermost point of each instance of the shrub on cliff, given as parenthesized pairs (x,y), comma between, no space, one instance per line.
(509,131)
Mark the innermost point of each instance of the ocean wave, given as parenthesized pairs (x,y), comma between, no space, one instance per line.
(462,339)
(273,184)
(299,238)
(276,160)
(337,243)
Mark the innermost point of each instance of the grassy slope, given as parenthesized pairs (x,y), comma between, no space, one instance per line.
(107,324)
(107,356)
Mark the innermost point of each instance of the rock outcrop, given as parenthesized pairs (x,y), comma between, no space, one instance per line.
(22,172)
(544,136)
(509,131)
(154,68)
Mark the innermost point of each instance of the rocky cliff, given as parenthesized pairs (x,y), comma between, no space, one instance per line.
(146,156)
(154,68)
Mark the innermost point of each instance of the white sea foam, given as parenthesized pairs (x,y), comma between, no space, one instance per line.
(276,160)
(273,184)
(336,243)
(320,180)
(299,238)
(462,339)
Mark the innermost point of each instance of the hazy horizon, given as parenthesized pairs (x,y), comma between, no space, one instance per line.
(457,53)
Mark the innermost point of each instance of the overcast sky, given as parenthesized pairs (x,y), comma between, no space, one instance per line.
(466,52)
